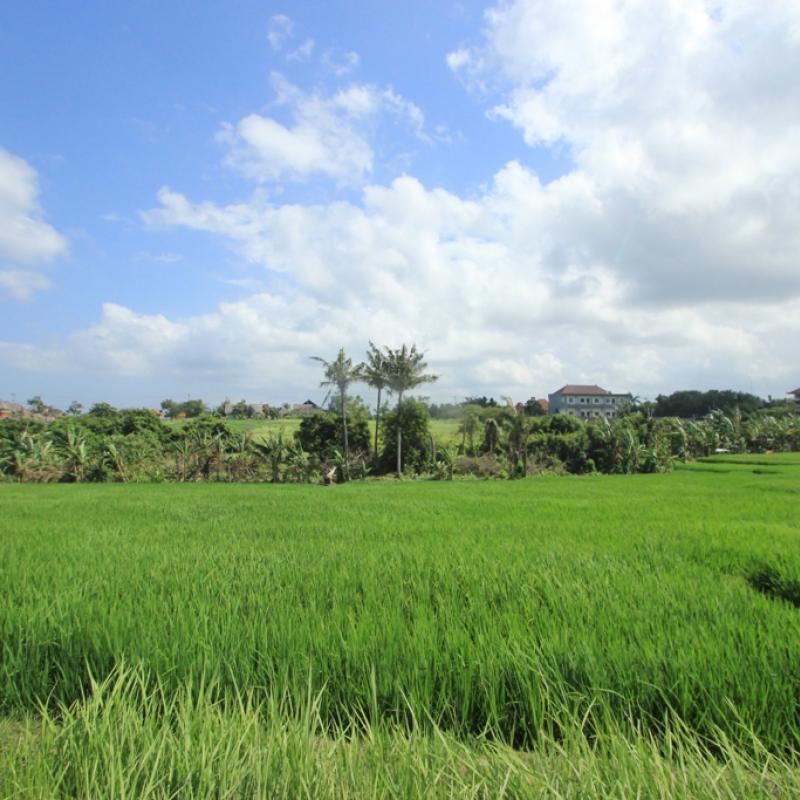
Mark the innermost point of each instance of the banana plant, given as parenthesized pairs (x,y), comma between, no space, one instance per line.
(183,454)
(113,458)
(73,446)
(273,451)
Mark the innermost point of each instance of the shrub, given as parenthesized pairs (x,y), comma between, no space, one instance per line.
(485,466)
(321,434)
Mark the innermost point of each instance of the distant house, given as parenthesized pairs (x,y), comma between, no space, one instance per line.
(49,413)
(796,393)
(545,404)
(586,402)
(43,414)
(305,409)
(8,409)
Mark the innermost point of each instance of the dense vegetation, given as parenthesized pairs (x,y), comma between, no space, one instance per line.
(492,441)
(692,404)
(597,636)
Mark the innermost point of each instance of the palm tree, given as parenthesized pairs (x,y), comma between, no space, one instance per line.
(341,373)
(468,428)
(519,429)
(404,371)
(375,376)
(491,435)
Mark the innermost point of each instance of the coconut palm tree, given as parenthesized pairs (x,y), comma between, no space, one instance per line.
(468,428)
(375,376)
(340,374)
(405,370)
(491,435)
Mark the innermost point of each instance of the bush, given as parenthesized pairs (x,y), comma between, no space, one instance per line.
(485,466)
(321,434)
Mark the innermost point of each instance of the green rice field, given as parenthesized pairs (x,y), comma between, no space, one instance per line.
(444,431)
(564,637)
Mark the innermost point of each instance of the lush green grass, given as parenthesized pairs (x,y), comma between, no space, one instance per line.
(444,431)
(132,741)
(761,459)
(434,618)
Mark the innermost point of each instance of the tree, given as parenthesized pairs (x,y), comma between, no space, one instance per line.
(340,374)
(519,429)
(104,410)
(533,408)
(36,404)
(692,404)
(418,447)
(375,376)
(491,435)
(191,408)
(405,370)
(468,428)
(483,402)
(170,408)
(242,410)
(141,420)
(75,409)
(321,434)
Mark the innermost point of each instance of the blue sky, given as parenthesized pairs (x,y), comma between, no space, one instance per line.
(199,196)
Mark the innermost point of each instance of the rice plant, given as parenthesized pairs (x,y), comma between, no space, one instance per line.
(397,632)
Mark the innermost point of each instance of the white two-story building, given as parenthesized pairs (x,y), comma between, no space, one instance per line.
(587,402)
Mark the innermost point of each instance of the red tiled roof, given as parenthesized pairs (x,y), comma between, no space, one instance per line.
(545,404)
(577,389)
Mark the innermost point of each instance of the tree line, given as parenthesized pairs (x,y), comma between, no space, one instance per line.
(135,445)
(493,439)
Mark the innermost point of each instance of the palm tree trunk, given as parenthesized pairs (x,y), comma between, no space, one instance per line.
(399,435)
(346,443)
(377,422)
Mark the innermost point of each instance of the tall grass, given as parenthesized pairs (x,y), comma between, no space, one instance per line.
(437,618)
(133,740)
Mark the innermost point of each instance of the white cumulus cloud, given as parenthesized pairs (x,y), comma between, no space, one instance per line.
(489,284)
(329,134)
(682,118)
(26,240)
